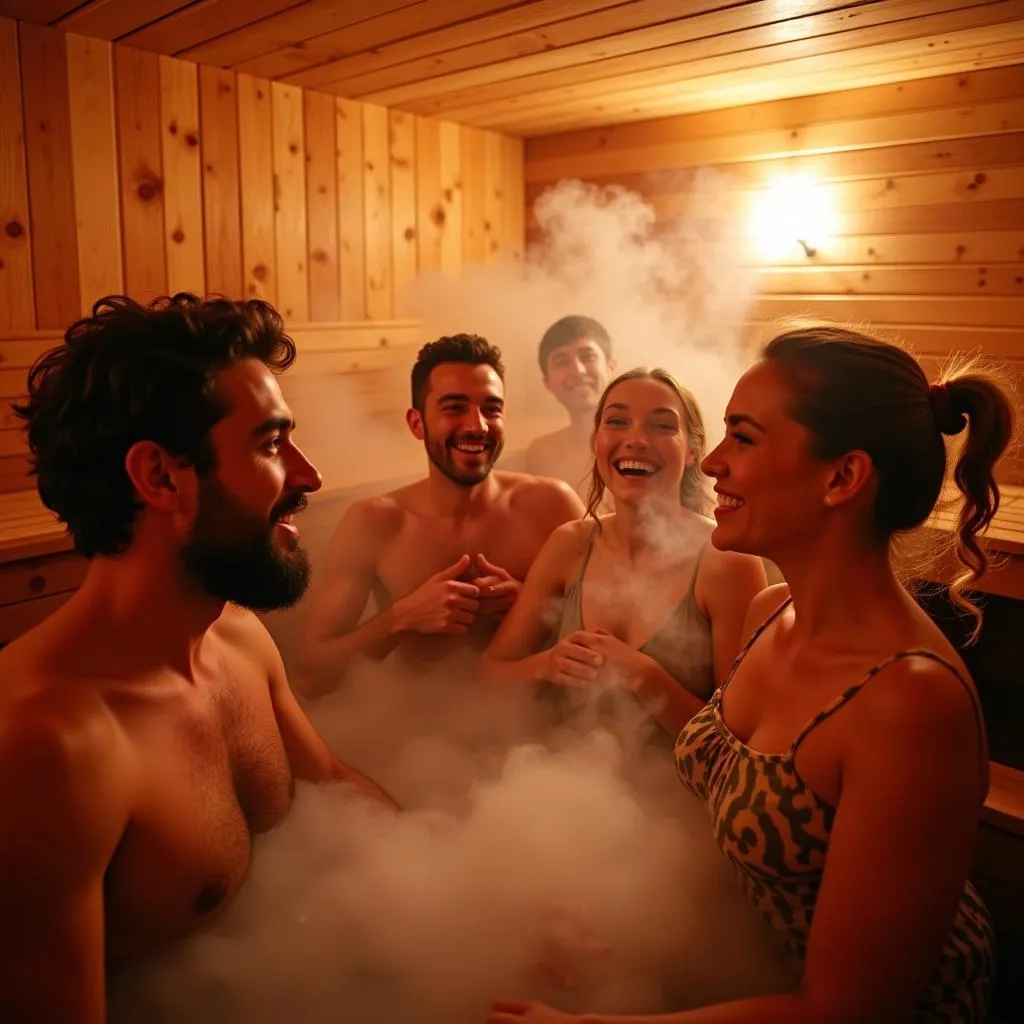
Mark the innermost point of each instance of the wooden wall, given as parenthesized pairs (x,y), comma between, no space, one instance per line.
(927,177)
(125,171)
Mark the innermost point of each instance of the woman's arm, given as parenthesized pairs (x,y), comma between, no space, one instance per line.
(898,856)
(514,655)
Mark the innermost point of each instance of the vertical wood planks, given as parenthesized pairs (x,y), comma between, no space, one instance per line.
(473,170)
(322,206)
(183,192)
(430,210)
(94,169)
(137,86)
(351,237)
(221,193)
(17,298)
(451,198)
(402,142)
(256,164)
(514,197)
(290,202)
(44,77)
(494,220)
(377,215)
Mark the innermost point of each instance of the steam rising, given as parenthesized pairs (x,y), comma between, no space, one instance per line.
(517,828)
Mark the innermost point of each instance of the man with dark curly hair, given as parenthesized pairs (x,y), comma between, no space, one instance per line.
(443,558)
(147,729)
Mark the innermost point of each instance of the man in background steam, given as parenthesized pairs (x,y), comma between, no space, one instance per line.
(443,558)
(147,730)
(576,361)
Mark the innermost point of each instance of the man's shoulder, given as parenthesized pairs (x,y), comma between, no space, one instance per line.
(528,490)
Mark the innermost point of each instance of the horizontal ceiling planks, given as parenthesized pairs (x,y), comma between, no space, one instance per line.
(532,67)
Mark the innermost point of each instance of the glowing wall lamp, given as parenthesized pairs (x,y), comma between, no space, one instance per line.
(793,211)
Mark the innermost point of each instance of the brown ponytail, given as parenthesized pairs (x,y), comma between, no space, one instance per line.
(978,400)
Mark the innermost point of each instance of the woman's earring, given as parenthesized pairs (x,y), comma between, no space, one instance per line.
(828,499)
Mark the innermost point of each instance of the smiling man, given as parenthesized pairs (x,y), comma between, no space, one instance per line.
(575,357)
(443,558)
(147,730)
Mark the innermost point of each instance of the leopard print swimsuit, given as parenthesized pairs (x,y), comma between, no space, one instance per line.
(775,831)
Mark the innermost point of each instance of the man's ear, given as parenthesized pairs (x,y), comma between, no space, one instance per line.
(414,419)
(155,475)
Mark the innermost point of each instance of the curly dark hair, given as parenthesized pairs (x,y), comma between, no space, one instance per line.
(130,373)
(456,348)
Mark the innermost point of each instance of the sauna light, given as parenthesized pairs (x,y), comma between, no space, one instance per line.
(793,211)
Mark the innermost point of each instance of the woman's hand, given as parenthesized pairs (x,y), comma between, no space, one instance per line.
(619,662)
(514,1011)
(572,661)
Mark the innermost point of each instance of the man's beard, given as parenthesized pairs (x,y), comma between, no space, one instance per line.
(439,453)
(231,554)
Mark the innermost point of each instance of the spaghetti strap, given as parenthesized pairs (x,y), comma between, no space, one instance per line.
(851,691)
(588,549)
(750,643)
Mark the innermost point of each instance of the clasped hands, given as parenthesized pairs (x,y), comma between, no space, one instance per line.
(448,603)
(587,656)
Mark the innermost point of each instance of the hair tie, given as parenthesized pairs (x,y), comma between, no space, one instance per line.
(949,420)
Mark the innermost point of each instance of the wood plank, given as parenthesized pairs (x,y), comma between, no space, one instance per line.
(474,236)
(183,190)
(882,280)
(193,24)
(222,203)
(256,187)
(940,311)
(451,193)
(110,19)
(287,28)
(33,578)
(290,227)
(322,206)
(17,300)
(977,153)
(430,211)
(367,34)
(351,209)
(39,12)
(706,44)
(754,86)
(514,198)
(948,91)
(15,473)
(22,352)
(44,78)
(377,213)
(929,126)
(94,169)
(404,265)
(494,219)
(428,53)
(137,88)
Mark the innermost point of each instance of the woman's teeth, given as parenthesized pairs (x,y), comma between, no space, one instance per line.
(728,501)
(635,467)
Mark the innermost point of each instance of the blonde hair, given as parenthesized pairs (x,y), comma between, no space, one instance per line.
(692,489)
(856,392)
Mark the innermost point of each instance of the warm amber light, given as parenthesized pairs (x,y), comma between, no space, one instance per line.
(792,217)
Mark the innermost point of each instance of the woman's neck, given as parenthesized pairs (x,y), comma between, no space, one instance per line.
(840,588)
(653,527)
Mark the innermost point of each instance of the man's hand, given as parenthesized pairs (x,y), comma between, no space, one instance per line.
(498,589)
(441,605)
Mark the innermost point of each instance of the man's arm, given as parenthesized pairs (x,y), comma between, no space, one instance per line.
(333,637)
(62,813)
(309,757)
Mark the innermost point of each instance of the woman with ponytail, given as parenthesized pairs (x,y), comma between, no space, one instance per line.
(844,761)
(638,599)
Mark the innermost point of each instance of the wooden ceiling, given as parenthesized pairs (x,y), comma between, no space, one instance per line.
(541,66)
